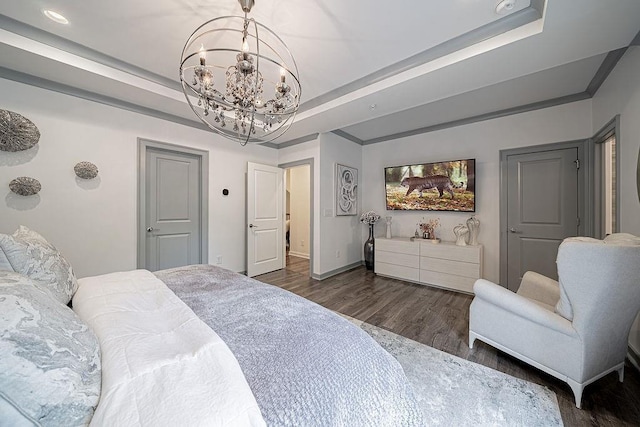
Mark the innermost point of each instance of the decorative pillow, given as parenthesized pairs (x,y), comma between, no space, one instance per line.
(30,254)
(49,359)
(563,307)
(5,265)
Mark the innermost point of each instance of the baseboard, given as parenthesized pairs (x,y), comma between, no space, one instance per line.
(336,271)
(634,358)
(299,254)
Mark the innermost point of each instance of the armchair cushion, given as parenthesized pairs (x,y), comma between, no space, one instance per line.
(521,306)
(563,307)
(540,288)
(624,239)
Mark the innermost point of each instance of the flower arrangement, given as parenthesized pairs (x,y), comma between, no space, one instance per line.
(428,228)
(369,218)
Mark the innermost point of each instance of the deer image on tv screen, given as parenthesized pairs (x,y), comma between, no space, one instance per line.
(441,186)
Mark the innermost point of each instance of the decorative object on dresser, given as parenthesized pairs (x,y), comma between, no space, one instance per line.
(369,218)
(445,265)
(428,228)
(346,190)
(461,231)
(25,186)
(17,133)
(473,224)
(86,170)
(388,220)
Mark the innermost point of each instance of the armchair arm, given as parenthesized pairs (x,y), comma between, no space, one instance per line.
(521,306)
(540,288)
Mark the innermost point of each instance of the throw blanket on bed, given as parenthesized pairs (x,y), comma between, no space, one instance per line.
(306,365)
(161,365)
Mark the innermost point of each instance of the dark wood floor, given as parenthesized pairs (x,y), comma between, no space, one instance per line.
(440,319)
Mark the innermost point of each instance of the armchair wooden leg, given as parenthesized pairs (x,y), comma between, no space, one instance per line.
(621,374)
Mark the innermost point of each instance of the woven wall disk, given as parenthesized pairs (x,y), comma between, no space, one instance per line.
(17,133)
(25,186)
(86,170)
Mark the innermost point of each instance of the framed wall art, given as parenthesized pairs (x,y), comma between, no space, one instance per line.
(346,190)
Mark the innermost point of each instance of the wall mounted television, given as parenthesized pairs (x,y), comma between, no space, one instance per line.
(439,186)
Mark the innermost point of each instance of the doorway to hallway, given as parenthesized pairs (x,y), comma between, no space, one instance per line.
(299,214)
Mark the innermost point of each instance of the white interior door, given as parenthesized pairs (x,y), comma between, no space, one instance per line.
(265,219)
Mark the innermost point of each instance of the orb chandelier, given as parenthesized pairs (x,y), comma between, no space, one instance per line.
(240,78)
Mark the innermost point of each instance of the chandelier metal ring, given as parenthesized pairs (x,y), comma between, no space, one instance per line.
(224,78)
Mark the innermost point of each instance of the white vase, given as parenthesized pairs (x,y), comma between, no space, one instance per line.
(388,226)
(461,232)
(473,224)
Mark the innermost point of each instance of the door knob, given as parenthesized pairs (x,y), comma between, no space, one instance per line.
(149,229)
(253,226)
(513,230)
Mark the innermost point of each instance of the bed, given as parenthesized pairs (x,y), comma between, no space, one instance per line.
(196,345)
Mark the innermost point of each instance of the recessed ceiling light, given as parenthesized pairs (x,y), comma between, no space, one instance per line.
(55,16)
(505,6)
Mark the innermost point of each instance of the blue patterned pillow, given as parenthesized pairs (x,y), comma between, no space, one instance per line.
(49,359)
(5,265)
(30,254)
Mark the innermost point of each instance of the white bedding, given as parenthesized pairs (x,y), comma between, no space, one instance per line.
(161,365)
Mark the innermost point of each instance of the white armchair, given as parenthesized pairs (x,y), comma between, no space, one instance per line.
(576,329)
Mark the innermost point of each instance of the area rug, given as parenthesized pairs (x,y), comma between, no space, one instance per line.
(455,392)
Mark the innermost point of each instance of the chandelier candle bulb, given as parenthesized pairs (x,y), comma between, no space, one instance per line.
(283,74)
(245,48)
(203,55)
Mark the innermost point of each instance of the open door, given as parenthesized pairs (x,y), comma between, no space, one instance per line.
(265,219)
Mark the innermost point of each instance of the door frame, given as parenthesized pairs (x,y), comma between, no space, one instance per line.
(584,191)
(594,173)
(141,232)
(312,221)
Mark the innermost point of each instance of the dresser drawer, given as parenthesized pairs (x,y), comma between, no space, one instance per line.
(404,246)
(451,252)
(397,258)
(449,281)
(446,266)
(397,271)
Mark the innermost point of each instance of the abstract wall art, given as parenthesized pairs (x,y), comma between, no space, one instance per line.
(17,133)
(86,170)
(346,190)
(25,186)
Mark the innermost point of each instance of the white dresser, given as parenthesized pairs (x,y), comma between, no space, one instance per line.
(443,265)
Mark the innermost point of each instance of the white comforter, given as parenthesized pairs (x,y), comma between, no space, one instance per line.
(161,365)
